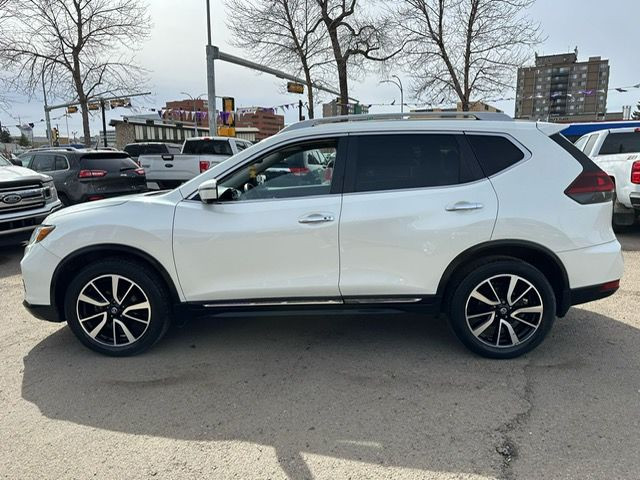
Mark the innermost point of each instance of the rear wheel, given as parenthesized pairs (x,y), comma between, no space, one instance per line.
(502,309)
(117,307)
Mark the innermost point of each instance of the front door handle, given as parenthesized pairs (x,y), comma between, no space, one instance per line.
(462,206)
(316,218)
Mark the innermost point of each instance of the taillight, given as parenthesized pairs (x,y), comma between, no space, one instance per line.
(635,173)
(607,287)
(299,170)
(593,186)
(140,171)
(93,198)
(91,173)
(204,165)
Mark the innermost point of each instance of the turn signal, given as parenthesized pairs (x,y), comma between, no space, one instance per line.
(41,233)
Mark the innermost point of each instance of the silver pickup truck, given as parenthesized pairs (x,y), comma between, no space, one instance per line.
(198,155)
(26,199)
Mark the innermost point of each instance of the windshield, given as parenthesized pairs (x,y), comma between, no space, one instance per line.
(4,162)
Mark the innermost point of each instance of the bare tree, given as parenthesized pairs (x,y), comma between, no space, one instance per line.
(355,36)
(284,33)
(464,49)
(82,47)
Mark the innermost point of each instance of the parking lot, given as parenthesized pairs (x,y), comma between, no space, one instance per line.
(323,397)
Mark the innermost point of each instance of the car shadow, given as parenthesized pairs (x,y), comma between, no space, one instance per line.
(391,390)
(629,238)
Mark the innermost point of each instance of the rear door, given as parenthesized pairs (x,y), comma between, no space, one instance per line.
(412,203)
(111,173)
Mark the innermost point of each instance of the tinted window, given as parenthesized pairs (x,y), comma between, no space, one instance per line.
(43,163)
(109,161)
(61,163)
(590,143)
(207,147)
(388,162)
(628,142)
(494,153)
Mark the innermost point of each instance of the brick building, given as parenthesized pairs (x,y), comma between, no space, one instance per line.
(264,119)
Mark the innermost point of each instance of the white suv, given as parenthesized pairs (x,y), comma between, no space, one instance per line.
(503,225)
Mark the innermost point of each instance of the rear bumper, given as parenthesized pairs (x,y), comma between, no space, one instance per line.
(43,312)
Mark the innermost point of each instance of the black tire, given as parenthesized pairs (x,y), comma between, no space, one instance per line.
(148,289)
(501,272)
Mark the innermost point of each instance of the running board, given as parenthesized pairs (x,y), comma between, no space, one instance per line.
(313,301)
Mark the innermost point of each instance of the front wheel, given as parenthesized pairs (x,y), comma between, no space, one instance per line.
(117,307)
(502,309)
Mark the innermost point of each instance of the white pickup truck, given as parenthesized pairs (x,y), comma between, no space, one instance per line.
(617,152)
(198,155)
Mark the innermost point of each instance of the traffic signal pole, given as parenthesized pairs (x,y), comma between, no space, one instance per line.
(104,122)
(211,78)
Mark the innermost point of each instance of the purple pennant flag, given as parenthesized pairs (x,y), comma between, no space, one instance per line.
(586,92)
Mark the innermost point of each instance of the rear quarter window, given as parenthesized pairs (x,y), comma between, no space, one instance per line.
(494,153)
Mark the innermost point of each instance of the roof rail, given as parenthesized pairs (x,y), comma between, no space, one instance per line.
(487,116)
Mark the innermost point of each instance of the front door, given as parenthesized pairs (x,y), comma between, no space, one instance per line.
(412,203)
(271,236)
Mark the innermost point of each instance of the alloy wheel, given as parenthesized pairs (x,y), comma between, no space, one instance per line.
(113,310)
(504,311)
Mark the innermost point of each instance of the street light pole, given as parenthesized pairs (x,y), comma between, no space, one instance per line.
(195,112)
(399,85)
(46,110)
(211,78)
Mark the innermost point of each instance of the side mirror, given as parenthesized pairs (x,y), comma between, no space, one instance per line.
(208,191)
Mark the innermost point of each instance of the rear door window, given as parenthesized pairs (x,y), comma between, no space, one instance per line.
(44,162)
(207,147)
(392,162)
(61,163)
(494,152)
(627,142)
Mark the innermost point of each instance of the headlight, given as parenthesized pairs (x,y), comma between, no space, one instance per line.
(50,192)
(41,233)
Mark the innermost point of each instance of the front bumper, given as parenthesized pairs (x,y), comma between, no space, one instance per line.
(43,312)
(15,229)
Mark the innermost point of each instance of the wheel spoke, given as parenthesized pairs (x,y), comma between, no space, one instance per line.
(93,333)
(478,296)
(534,309)
(477,315)
(523,321)
(124,297)
(82,320)
(512,333)
(91,301)
(513,281)
(499,332)
(134,318)
(521,295)
(495,294)
(99,292)
(115,280)
(137,306)
(480,330)
(126,331)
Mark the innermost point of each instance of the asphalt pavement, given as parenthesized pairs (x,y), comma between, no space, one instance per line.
(323,397)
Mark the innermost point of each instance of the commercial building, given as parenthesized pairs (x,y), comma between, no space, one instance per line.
(265,120)
(187,111)
(333,108)
(150,128)
(559,88)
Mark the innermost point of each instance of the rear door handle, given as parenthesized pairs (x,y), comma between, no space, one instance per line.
(462,206)
(316,218)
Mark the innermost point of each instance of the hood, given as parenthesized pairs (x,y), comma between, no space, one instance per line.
(13,173)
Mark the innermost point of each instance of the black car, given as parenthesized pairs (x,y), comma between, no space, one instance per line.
(85,175)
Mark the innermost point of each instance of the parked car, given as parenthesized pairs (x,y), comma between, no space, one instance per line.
(26,199)
(151,148)
(198,155)
(617,152)
(407,219)
(88,175)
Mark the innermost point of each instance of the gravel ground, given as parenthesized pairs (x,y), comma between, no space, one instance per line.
(323,397)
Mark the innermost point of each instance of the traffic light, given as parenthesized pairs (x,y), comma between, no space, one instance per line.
(228,117)
(55,136)
(294,87)
(72,109)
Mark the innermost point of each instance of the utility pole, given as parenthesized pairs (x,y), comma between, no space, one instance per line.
(46,109)
(300,115)
(104,122)
(211,78)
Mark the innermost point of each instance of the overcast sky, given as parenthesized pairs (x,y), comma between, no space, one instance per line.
(175,56)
